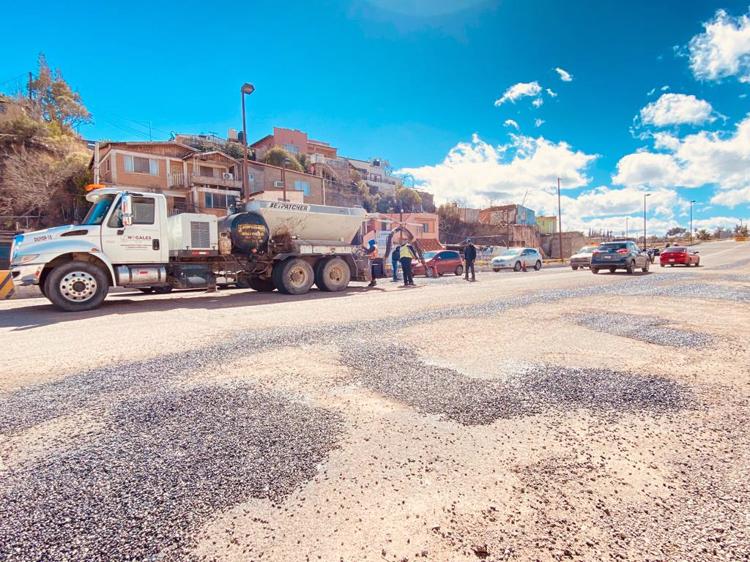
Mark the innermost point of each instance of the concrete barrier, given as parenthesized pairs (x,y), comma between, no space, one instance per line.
(6,284)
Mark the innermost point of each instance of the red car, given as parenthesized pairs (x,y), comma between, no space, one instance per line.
(679,255)
(439,263)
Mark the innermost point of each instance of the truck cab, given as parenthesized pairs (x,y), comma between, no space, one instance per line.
(74,265)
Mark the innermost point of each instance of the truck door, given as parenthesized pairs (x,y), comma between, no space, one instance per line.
(139,242)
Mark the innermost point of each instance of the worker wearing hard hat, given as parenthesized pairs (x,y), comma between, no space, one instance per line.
(372,253)
(406,255)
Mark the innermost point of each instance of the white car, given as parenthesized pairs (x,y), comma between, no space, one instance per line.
(516,258)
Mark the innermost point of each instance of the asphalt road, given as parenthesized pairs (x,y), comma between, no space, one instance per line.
(529,416)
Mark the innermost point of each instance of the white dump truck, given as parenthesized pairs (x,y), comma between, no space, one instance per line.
(128,240)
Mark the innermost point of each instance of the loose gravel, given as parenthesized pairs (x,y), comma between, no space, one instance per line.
(163,467)
(394,371)
(168,458)
(643,328)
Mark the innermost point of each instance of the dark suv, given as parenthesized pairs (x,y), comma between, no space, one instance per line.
(619,255)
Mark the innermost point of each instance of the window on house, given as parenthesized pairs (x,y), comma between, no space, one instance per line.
(425,227)
(220,201)
(302,186)
(139,165)
(291,148)
(206,171)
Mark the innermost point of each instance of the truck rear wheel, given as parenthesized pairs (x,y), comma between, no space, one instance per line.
(261,285)
(76,286)
(293,276)
(332,275)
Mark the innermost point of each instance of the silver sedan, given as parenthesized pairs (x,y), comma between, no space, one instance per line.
(516,259)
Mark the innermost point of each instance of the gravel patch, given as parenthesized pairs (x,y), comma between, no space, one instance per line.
(649,329)
(393,371)
(164,466)
(699,291)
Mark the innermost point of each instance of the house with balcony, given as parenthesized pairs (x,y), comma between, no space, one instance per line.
(198,181)
(205,182)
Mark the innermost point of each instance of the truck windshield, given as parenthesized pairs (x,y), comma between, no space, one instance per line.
(98,210)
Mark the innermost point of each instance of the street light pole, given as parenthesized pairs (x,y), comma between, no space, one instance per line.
(626,227)
(559,219)
(246,89)
(691,221)
(645,243)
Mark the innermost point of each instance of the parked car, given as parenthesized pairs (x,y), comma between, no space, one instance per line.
(679,255)
(516,258)
(439,263)
(619,255)
(582,258)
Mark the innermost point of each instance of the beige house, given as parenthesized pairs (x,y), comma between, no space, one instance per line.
(206,182)
(195,181)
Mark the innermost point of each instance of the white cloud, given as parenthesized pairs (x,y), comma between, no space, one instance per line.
(710,224)
(520,90)
(651,92)
(732,197)
(723,49)
(551,93)
(565,76)
(476,172)
(664,88)
(511,123)
(677,109)
(704,158)
(537,102)
(538,122)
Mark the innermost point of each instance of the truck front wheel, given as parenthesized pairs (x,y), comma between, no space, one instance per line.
(76,286)
(293,276)
(333,275)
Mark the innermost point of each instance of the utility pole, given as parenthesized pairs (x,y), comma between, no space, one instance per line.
(645,243)
(96,162)
(246,89)
(626,227)
(691,221)
(559,218)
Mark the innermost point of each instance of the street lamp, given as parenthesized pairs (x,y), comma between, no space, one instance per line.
(645,243)
(246,89)
(691,220)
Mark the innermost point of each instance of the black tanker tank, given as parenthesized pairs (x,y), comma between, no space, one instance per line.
(248,232)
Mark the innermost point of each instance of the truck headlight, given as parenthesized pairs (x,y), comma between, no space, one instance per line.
(28,258)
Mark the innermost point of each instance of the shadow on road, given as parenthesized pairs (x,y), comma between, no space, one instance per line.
(44,314)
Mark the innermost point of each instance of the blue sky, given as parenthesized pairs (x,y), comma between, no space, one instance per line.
(416,82)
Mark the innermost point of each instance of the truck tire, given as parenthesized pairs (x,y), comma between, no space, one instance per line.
(332,275)
(293,276)
(76,286)
(261,285)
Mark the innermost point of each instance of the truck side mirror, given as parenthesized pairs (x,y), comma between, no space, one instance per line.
(126,208)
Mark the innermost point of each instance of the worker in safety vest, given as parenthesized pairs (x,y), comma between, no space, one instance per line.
(406,255)
(372,253)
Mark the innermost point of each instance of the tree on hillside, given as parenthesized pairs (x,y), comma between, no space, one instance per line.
(676,231)
(276,156)
(703,234)
(408,199)
(43,162)
(54,100)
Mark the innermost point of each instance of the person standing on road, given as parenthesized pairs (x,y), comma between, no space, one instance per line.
(407,253)
(395,258)
(372,253)
(470,256)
